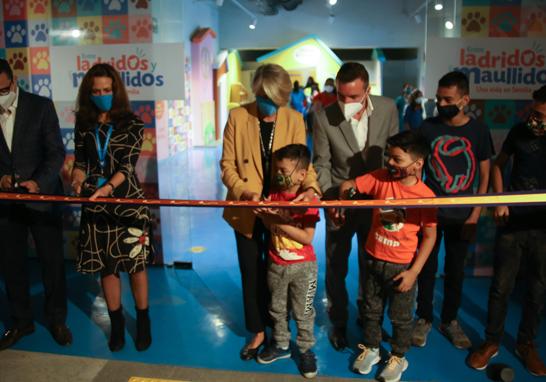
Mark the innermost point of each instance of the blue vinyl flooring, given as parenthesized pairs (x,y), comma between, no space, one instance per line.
(197,317)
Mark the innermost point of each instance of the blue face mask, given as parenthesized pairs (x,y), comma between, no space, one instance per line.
(103,102)
(266,106)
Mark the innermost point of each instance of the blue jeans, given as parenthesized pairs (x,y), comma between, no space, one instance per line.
(510,248)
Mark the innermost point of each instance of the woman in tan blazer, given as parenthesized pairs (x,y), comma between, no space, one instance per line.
(253,132)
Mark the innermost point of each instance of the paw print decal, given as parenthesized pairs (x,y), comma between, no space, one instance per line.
(505,24)
(16,34)
(14,9)
(68,141)
(140,4)
(474,22)
(67,116)
(38,7)
(86,5)
(40,32)
(63,7)
(23,83)
(142,29)
(115,29)
(40,61)
(42,87)
(148,142)
(18,61)
(90,30)
(500,114)
(535,23)
(474,111)
(146,114)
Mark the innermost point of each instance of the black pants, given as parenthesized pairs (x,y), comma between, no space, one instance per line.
(456,250)
(16,221)
(511,247)
(252,254)
(338,249)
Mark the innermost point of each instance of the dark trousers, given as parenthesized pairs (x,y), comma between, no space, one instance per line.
(16,221)
(456,250)
(338,249)
(510,248)
(379,289)
(252,254)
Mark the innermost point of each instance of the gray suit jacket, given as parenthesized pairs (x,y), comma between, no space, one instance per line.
(336,156)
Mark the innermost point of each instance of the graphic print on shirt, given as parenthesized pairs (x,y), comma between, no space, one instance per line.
(453,163)
(286,248)
(392,219)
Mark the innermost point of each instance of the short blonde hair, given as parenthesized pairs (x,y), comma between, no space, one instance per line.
(275,83)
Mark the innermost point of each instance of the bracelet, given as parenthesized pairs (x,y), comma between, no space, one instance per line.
(111,185)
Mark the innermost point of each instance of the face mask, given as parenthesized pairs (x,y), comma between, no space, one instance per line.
(102,102)
(398,172)
(351,108)
(448,111)
(283,182)
(7,100)
(419,100)
(266,106)
(537,127)
(408,90)
(328,88)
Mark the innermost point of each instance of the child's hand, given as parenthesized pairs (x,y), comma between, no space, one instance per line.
(405,280)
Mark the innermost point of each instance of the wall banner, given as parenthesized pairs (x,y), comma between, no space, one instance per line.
(497,68)
(149,71)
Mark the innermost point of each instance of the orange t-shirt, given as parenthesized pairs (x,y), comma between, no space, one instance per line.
(393,236)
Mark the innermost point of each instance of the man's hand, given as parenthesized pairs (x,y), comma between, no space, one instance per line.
(407,279)
(251,196)
(501,215)
(469,229)
(337,215)
(31,186)
(5,182)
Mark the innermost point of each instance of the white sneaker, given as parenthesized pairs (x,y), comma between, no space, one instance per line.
(394,369)
(364,362)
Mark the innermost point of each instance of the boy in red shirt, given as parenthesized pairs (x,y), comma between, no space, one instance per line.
(392,263)
(292,266)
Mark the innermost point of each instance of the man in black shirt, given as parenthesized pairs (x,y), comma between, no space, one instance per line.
(521,234)
(459,159)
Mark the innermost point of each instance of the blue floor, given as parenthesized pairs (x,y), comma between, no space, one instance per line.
(197,317)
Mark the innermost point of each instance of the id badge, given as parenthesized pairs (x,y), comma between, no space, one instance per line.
(101,181)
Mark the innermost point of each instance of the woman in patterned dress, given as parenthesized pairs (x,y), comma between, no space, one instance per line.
(113,238)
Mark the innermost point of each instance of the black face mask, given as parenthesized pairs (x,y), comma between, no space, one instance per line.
(398,172)
(537,127)
(447,111)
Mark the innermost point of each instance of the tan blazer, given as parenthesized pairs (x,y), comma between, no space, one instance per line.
(241,161)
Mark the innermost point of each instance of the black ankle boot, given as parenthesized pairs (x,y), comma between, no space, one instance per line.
(117,330)
(144,334)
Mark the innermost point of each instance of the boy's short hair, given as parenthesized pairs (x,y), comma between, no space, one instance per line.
(410,142)
(540,95)
(458,79)
(297,152)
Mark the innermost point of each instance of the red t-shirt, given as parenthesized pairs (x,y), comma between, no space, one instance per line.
(393,236)
(285,251)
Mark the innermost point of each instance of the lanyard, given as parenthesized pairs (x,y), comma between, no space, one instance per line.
(267,152)
(101,150)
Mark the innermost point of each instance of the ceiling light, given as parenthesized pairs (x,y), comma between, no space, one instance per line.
(332,2)
(253,25)
(449,25)
(438,6)
(76,33)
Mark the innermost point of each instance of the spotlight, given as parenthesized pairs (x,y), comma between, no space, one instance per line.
(438,6)
(76,33)
(253,25)
(332,2)
(449,25)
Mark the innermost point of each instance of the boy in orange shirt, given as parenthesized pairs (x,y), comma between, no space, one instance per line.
(393,264)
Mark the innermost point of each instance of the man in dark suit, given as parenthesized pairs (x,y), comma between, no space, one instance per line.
(31,156)
(349,138)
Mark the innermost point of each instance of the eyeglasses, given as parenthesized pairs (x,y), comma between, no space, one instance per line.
(6,90)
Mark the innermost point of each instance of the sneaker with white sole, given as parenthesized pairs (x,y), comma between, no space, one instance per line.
(308,364)
(394,369)
(364,362)
(272,353)
(456,335)
(421,329)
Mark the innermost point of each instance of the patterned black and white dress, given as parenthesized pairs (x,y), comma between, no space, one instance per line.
(113,238)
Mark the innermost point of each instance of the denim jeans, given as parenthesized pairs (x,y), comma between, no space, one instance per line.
(510,248)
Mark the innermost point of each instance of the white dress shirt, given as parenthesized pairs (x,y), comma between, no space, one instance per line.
(360,127)
(7,120)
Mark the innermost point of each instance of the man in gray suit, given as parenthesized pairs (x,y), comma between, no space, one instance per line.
(349,138)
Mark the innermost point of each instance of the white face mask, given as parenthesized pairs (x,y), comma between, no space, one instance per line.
(351,108)
(7,100)
(328,88)
(420,100)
